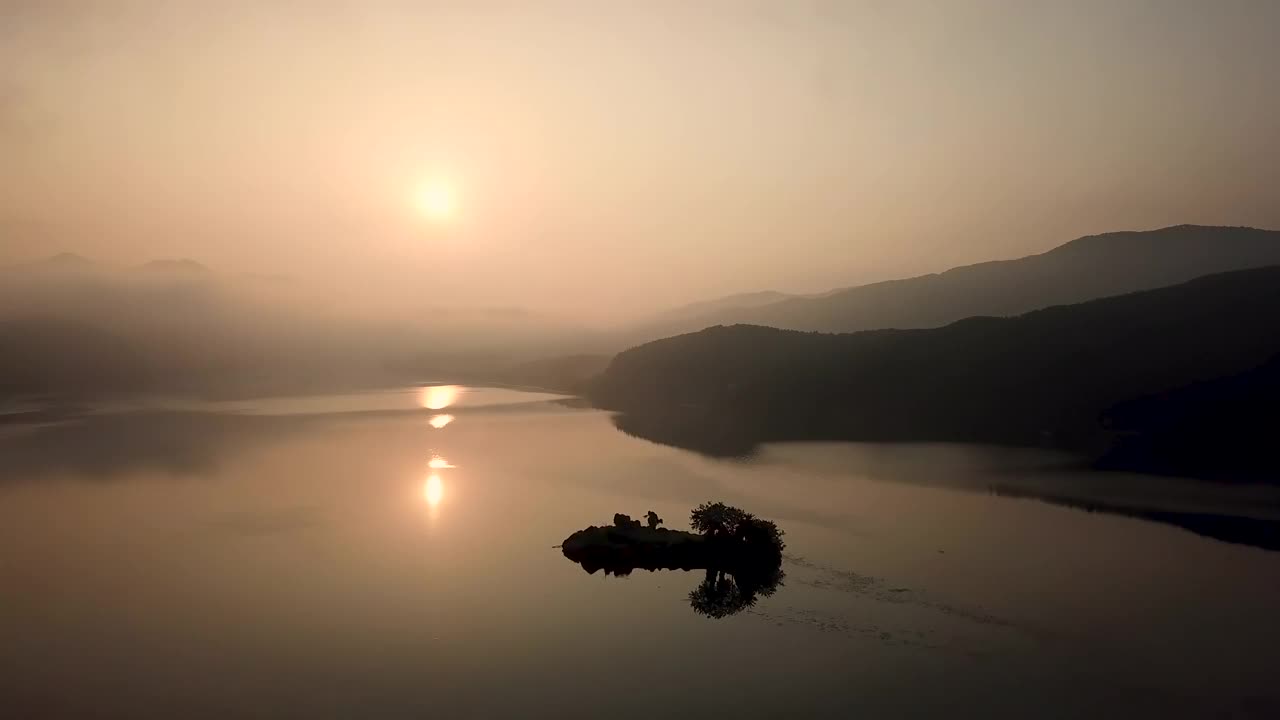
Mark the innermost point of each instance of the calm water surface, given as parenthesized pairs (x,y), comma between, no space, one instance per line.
(393,555)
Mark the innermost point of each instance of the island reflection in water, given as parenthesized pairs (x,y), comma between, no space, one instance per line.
(1026,473)
(722,592)
(741,554)
(284,558)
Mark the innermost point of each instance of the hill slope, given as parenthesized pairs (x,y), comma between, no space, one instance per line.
(1083,269)
(1048,375)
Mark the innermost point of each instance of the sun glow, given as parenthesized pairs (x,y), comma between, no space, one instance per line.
(437,201)
(439,421)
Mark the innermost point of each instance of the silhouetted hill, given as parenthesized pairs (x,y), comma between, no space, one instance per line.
(41,353)
(1046,376)
(1083,269)
(1224,427)
(693,316)
(188,329)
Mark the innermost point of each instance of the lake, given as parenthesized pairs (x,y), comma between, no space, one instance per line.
(393,554)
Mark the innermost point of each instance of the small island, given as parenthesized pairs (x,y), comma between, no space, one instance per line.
(741,554)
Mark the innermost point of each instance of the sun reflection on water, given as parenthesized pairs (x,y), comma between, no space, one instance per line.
(439,397)
(433,491)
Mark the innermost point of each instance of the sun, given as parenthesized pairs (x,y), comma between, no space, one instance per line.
(437,201)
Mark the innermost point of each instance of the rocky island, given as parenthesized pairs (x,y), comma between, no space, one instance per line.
(741,554)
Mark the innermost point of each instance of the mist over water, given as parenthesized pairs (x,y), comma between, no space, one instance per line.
(329,555)
(590,358)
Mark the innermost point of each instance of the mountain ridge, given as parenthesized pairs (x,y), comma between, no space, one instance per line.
(1050,375)
(1087,267)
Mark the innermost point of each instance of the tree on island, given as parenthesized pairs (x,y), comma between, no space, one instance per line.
(715,519)
(720,521)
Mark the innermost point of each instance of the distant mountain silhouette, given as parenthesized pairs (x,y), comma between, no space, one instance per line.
(66,324)
(568,373)
(1050,376)
(1083,269)
(739,301)
(693,316)
(181,266)
(65,261)
(41,353)
(66,264)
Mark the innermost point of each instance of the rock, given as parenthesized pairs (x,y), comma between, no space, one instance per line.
(626,545)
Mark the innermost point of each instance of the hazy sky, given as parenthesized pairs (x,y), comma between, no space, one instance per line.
(612,155)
